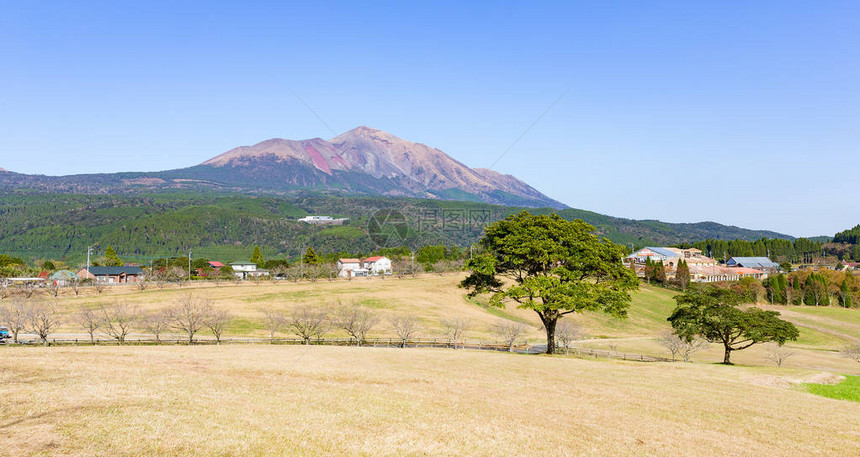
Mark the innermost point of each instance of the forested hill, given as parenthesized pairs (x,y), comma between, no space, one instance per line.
(227,227)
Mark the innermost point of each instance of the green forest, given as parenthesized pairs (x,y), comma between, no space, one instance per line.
(226,227)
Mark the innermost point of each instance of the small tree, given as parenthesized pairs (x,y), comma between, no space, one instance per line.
(404,327)
(778,354)
(311,257)
(852,352)
(118,319)
(89,320)
(682,275)
(43,319)
(273,320)
(714,315)
(509,331)
(671,342)
(567,333)
(308,322)
(660,273)
(257,257)
(157,323)
(355,321)
(216,321)
(456,329)
(189,314)
(15,315)
(111,259)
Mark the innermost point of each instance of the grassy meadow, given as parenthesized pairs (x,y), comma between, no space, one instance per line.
(291,400)
(317,400)
(433,299)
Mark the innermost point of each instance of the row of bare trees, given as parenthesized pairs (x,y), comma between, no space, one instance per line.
(312,322)
(25,315)
(189,315)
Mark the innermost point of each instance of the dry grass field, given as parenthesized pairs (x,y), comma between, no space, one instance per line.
(264,400)
(434,298)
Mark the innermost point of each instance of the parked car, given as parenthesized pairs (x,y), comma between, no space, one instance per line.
(4,333)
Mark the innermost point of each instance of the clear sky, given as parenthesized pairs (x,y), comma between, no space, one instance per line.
(744,113)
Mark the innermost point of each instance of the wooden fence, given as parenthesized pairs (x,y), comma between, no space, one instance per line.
(439,343)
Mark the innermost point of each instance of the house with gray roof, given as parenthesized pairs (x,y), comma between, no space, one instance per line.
(113,275)
(759,263)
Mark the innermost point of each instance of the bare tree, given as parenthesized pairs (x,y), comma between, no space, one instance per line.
(355,320)
(28,290)
(216,321)
(75,283)
(613,348)
(566,333)
(316,271)
(43,319)
(53,288)
(671,342)
(15,315)
(273,320)
(308,322)
(157,323)
(509,331)
(88,319)
(688,348)
(404,326)
(189,314)
(778,354)
(118,319)
(142,282)
(99,286)
(852,352)
(455,329)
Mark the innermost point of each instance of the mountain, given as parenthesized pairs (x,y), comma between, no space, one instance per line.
(362,161)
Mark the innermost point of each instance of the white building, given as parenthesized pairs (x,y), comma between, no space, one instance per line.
(378,265)
(245,270)
(349,268)
(323,220)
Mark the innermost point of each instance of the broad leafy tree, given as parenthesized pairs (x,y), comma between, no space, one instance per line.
(714,314)
(551,266)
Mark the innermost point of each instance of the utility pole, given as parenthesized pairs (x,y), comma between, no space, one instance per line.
(89,251)
(413,262)
(189,264)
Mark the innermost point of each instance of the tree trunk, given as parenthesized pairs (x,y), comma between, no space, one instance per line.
(727,357)
(549,323)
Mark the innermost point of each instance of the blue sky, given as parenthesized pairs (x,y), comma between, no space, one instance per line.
(744,113)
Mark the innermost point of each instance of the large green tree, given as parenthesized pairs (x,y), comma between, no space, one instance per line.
(714,314)
(551,266)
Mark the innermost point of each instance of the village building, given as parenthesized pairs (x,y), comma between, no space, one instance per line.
(759,263)
(62,278)
(113,275)
(350,268)
(717,273)
(245,270)
(323,220)
(378,265)
(670,256)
